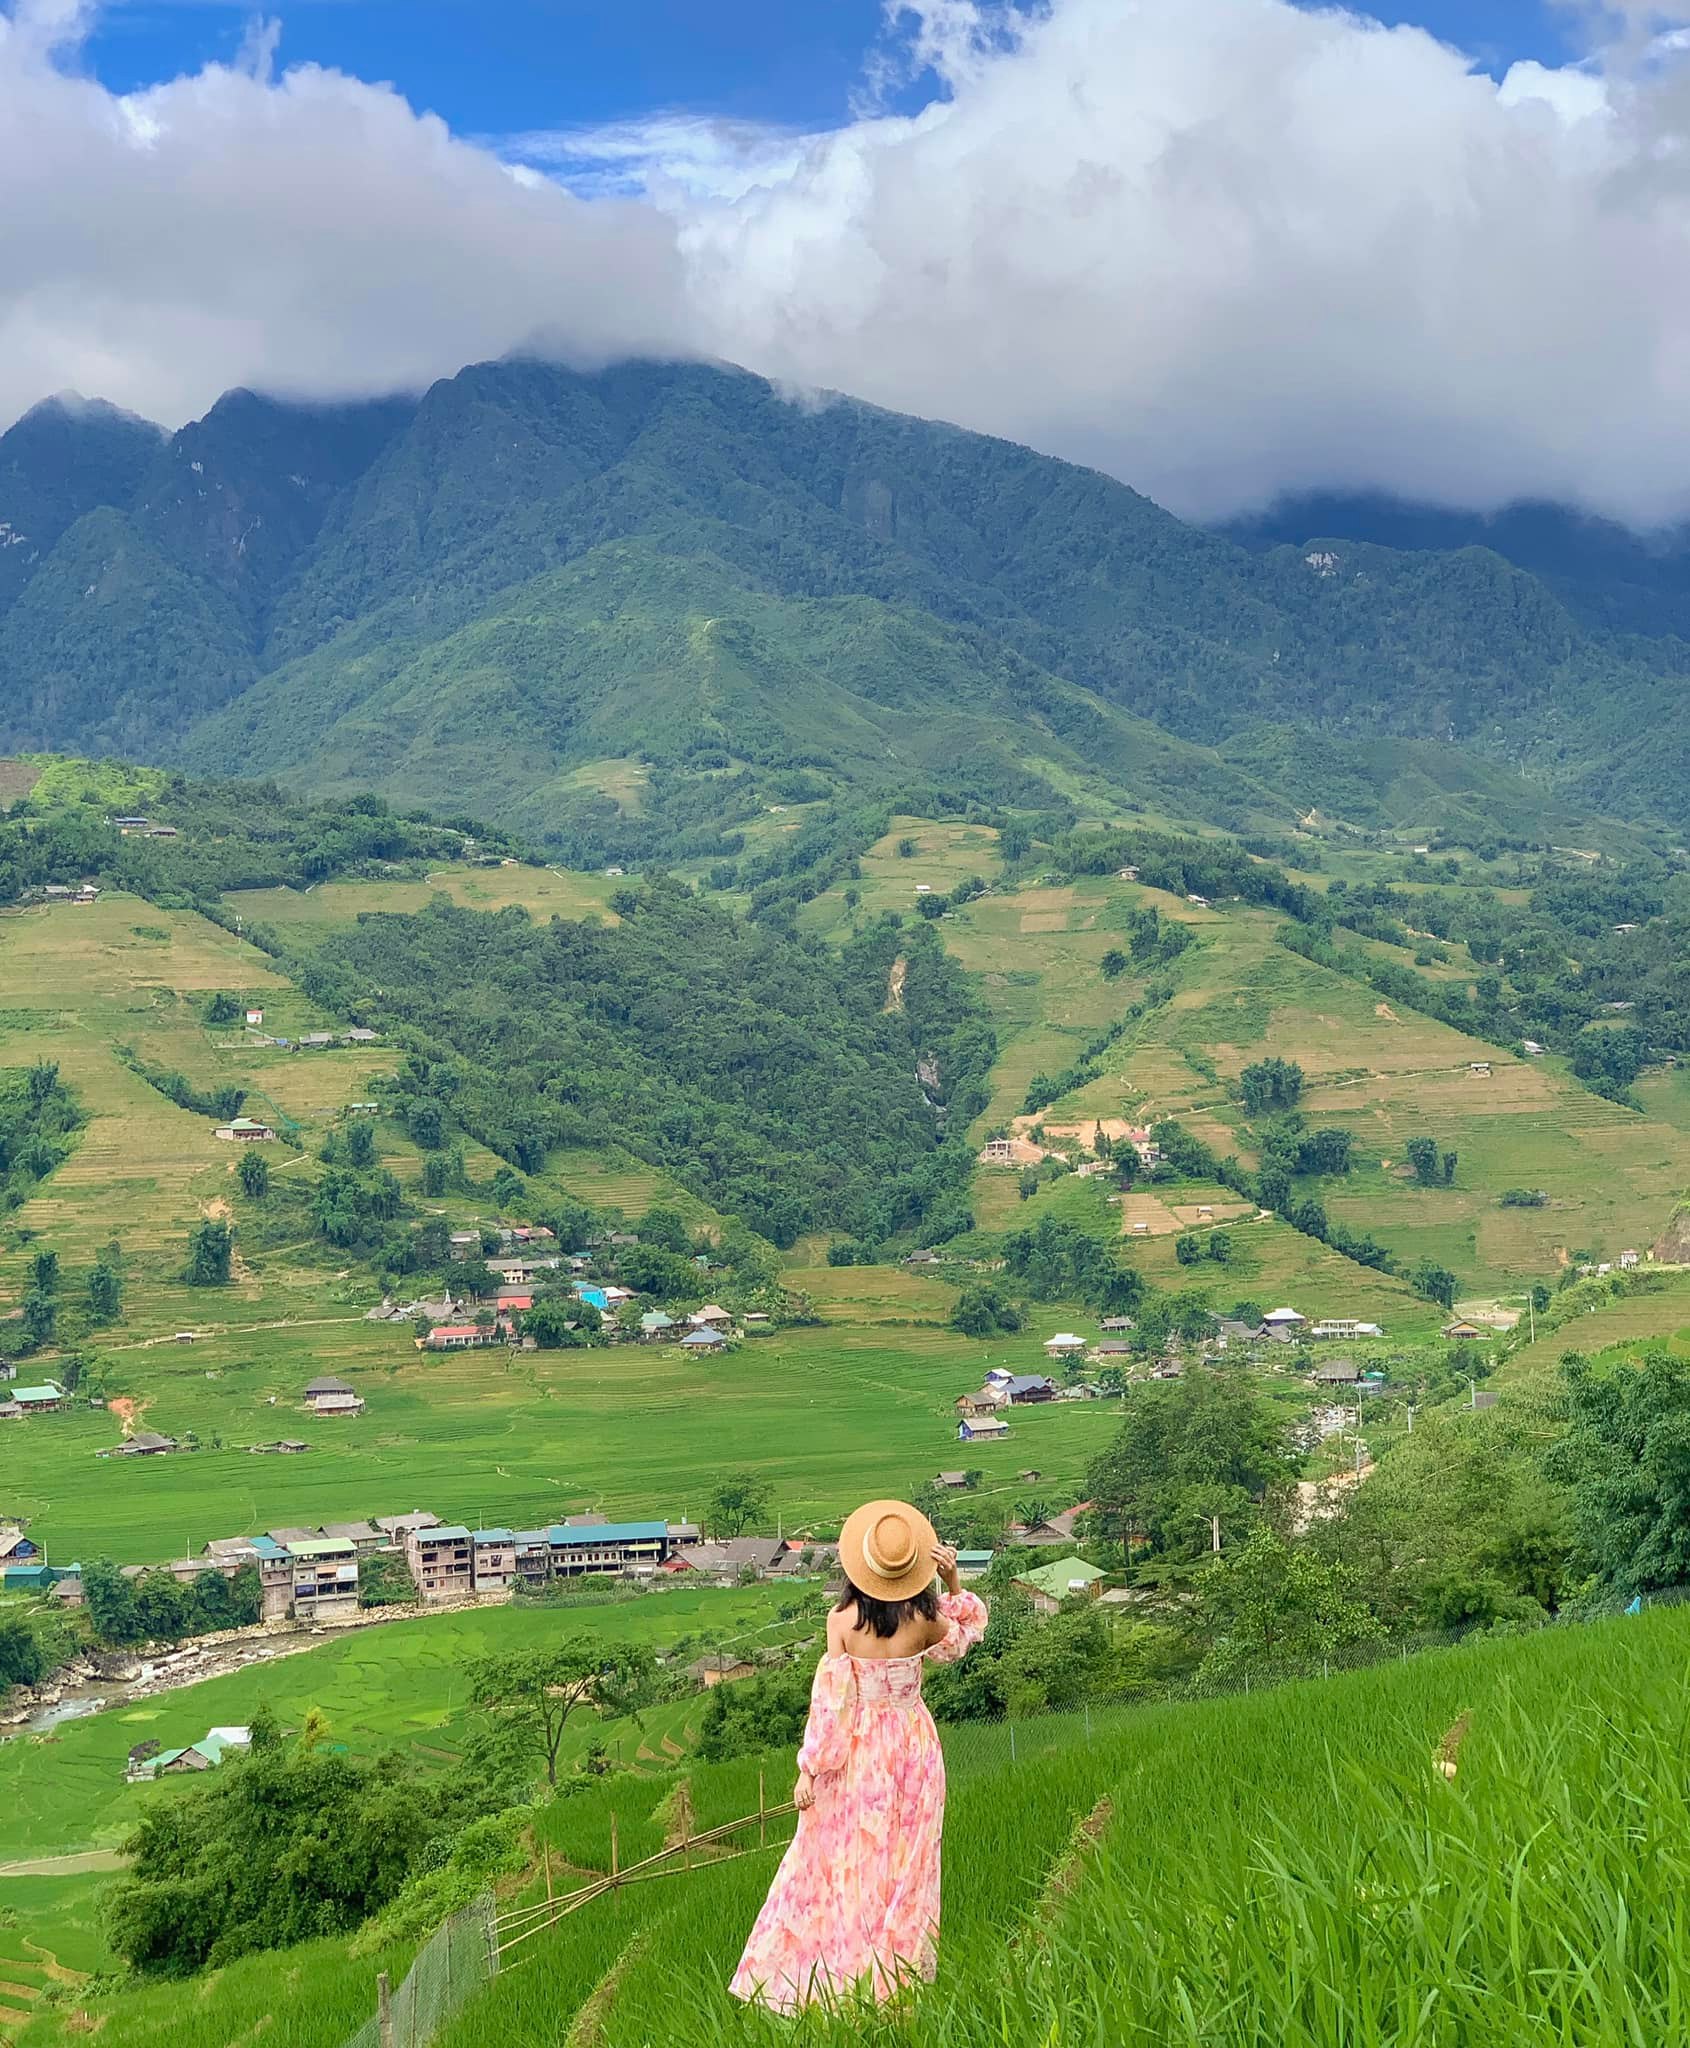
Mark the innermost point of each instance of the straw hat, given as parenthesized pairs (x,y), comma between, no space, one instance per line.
(886,1549)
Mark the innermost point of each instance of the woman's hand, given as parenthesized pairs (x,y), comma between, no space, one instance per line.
(944,1562)
(804,1792)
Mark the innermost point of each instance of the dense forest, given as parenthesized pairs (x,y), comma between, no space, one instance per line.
(766,1073)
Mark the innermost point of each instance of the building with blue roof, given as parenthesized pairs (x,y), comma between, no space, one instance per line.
(633,1547)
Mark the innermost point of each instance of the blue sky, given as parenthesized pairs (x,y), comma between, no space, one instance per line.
(492,67)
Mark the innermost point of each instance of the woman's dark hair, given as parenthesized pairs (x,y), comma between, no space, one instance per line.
(884,1618)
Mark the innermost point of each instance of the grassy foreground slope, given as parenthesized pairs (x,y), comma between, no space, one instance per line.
(1288,1867)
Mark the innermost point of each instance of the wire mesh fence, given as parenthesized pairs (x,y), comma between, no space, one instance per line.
(456,1960)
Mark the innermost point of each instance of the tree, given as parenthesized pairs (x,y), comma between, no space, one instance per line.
(105,1293)
(1220,1247)
(1178,1439)
(110,1602)
(665,1229)
(1188,1248)
(1271,1084)
(44,1272)
(555,1323)
(222,1009)
(210,1252)
(1114,964)
(1626,1459)
(906,849)
(254,1173)
(361,1143)
(1422,1155)
(22,1659)
(425,1122)
(40,1318)
(434,1175)
(984,1311)
(1274,1603)
(1034,1512)
(1447,1165)
(1436,1282)
(1540,1296)
(161,1612)
(1325,1151)
(739,1501)
(535,1692)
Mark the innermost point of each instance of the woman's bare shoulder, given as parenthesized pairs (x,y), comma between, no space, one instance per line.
(835,1631)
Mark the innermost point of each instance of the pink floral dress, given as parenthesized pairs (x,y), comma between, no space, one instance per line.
(856,1898)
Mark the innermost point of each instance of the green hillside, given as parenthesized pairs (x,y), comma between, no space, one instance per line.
(531,574)
(1290,1865)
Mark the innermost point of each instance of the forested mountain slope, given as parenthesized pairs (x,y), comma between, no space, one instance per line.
(531,572)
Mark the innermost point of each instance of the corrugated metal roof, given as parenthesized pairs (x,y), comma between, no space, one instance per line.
(607,1532)
(448,1532)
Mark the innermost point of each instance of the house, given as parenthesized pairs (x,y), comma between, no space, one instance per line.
(8,1371)
(1283,1322)
(704,1340)
(360,1034)
(457,1337)
(1480,1067)
(1117,1323)
(514,1300)
(951,1480)
(494,1556)
(1009,1152)
(1064,1345)
(1627,1261)
(971,1564)
(1126,874)
(1029,1476)
(363,1536)
(1058,1530)
(132,824)
(17,1548)
(285,1539)
(1112,1347)
(464,1244)
(710,1317)
(1337,1372)
(163,832)
(338,1404)
(145,1443)
(685,1536)
(655,1326)
(720,1669)
(1343,1327)
(974,1429)
(316,1040)
(1532,1049)
(1485,1397)
(396,1528)
(732,1556)
(255,1016)
(986,1402)
(147,1760)
(327,1384)
(635,1548)
(283,1447)
(1463,1332)
(1030,1386)
(442,1562)
(41,1400)
(245,1130)
(1050,1585)
(325,1578)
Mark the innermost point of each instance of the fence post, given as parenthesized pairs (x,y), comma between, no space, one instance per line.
(546,1852)
(1088,1720)
(613,1845)
(1326,1667)
(1012,1742)
(384,2011)
(762,1821)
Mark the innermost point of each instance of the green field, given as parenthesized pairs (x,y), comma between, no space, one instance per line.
(398,1683)
(828,1414)
(1290,1865)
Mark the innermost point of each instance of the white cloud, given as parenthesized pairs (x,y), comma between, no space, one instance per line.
(1218,247)
(297,230)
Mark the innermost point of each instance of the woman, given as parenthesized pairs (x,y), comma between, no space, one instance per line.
(856,1899)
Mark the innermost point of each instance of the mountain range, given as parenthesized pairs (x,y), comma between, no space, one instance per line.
(644,600)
